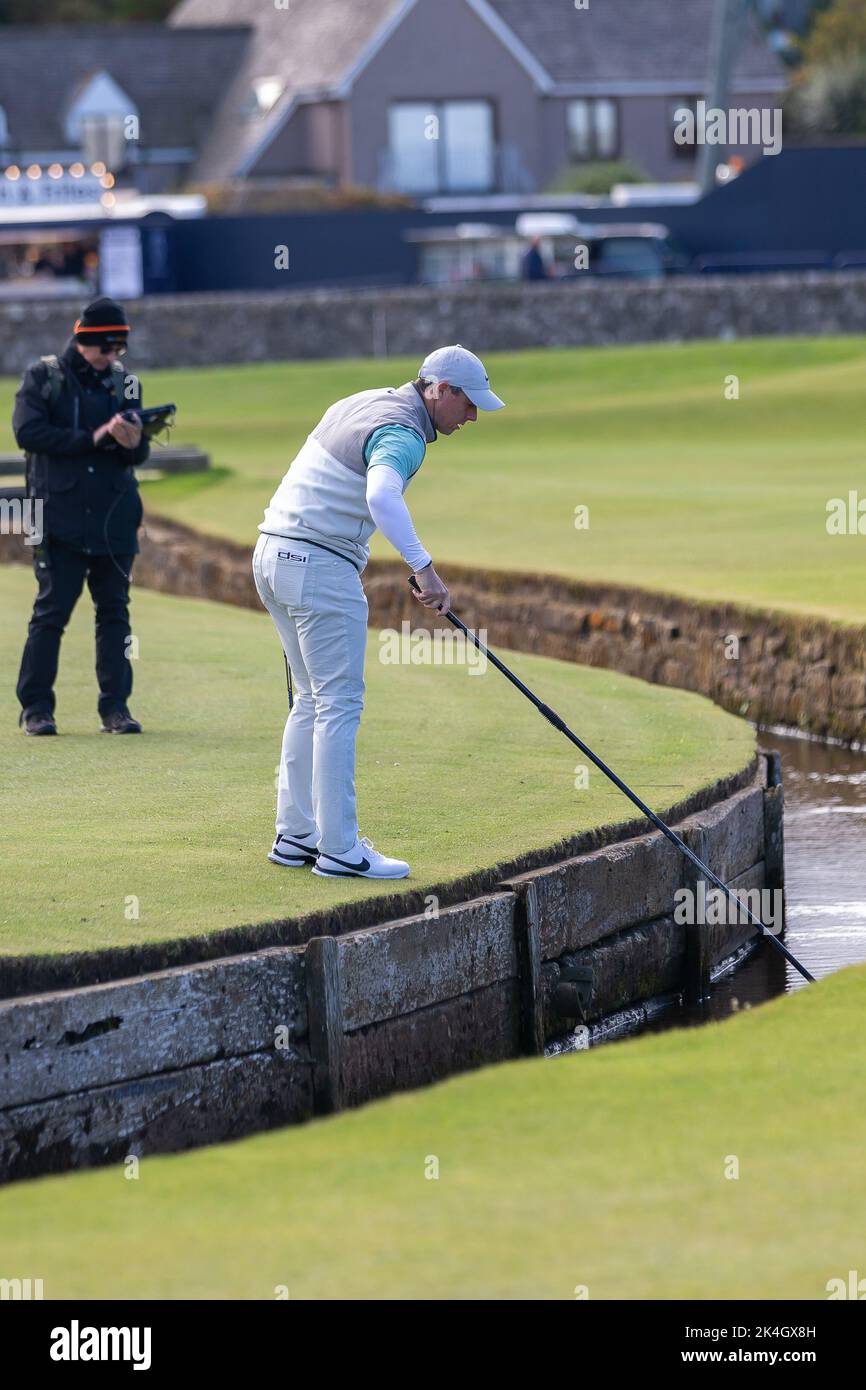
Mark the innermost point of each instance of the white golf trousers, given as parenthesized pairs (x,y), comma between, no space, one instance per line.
(320,611)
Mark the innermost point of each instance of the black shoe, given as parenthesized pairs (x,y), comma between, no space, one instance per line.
(120,721)
(39,722)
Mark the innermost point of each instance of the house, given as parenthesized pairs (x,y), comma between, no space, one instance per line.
(465,96)
(454,97)
(138,99)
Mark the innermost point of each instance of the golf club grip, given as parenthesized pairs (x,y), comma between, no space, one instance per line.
(413,584)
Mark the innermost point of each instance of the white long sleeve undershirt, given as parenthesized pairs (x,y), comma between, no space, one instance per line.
(391,515)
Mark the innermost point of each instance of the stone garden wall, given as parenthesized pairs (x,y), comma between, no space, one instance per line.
(210,329)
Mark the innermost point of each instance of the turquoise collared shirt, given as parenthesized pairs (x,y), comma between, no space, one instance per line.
(398,447)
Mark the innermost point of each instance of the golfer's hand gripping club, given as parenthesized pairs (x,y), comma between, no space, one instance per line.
(437,597)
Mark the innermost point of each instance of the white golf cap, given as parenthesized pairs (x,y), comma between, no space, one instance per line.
(460,367)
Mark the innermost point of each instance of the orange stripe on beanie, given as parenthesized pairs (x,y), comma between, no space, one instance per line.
(103,318)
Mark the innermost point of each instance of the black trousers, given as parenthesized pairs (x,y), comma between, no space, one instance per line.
(61,571)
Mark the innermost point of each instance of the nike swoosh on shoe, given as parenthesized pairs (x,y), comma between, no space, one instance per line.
(306,851)
(353,868)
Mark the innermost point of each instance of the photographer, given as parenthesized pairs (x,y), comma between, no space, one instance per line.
(80,451)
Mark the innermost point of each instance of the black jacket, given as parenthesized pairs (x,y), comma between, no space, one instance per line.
(90,494)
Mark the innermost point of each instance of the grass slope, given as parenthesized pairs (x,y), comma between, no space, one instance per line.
(687,491)
(604,1169)
(456,773)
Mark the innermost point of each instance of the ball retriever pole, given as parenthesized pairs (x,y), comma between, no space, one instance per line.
(553,718)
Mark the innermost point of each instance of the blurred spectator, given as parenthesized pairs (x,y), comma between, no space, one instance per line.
(50,262)
(533,266)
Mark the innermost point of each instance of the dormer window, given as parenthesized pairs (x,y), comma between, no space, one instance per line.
(98,121)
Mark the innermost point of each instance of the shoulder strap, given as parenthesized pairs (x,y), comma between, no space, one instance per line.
(53,380)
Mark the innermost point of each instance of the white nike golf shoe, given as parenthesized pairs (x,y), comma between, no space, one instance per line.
(293,851)
(361,861)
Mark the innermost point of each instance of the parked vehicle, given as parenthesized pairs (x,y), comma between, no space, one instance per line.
(568,247)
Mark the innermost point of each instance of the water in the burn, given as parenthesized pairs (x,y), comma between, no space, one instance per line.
(825,852)
(825,876)
(825,890)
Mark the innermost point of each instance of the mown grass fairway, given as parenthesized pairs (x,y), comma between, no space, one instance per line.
(687,492)
(456,772)
(604,1169)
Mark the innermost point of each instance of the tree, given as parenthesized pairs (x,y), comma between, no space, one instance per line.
(829,100)
(83,11)
(828,95)
(838,33)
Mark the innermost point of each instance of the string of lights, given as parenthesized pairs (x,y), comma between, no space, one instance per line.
(76,170)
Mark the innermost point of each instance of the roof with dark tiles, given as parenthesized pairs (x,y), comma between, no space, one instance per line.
(176,78)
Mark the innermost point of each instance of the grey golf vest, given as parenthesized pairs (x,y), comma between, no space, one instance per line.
(323,496)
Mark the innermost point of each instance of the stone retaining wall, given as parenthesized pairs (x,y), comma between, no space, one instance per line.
(209,329)
(211,1051)
(800,671)
(804,672)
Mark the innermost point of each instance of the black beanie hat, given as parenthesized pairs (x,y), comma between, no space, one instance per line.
(102,324)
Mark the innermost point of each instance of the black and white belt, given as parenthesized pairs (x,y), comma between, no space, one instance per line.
(305,540)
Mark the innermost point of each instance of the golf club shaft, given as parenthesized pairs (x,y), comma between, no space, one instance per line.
(553,718)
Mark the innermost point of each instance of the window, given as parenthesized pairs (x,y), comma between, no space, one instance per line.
(4,129)
(683,149)
(468,146)
(441,147)
(97,120)
(593,129)
(413,130)
(629,256)
(102,138)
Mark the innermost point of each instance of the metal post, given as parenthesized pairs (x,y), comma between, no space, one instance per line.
(724,40)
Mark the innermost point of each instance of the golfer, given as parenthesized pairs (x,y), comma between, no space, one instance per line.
(348,479)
